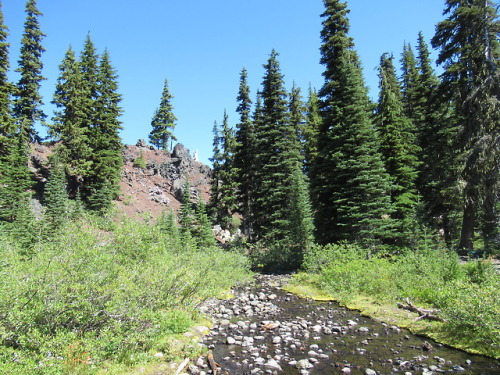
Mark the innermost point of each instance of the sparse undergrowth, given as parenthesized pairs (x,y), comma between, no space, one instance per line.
(103,295)
(466,296)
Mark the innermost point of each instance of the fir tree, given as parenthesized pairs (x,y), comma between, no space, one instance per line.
(202,230)
(273,137)
(398,148)
(186,212)
(409,80)
(437,178)
(70,127)
(244,154)
(102,180)
(470,52)
(296,109)
(350,187)
(27,98)
(6,88)
(55,198)
(215,184)
(311,129)
(163,122)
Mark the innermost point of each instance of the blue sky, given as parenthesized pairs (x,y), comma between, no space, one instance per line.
(201,46)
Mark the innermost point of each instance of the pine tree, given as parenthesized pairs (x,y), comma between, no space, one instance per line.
(202,230)
(350,187)
(470,52)
(102,180)
(70,126)
(311,129)
(6,88)
(273,137)
(398,148)
(437,178)
(55,198)
(186,212)
(296,109)
(163,121)
(409,80)
(215,184)
(27,98)
(244,154)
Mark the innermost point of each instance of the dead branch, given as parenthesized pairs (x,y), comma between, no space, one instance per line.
(428,314)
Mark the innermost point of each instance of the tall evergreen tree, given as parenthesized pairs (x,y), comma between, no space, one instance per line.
(163,121)
(350,187)
(409,80)
(296,108)
(27,98)
(271,135)
(311,130)
(435,131)
(6,88)
(202,229)
(398,148)
(55,198)
(102,180)
(470,52)
(244,154)
(69,125)
(217,166)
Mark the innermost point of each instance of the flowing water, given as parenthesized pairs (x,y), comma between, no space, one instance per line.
(265,330)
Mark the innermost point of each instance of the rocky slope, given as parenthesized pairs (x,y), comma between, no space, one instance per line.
(152,180)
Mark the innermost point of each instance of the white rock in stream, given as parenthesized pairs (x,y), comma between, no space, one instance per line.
(273,365)
(304,364)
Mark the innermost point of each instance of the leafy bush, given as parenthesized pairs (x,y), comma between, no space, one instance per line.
(103,291)
(467,295)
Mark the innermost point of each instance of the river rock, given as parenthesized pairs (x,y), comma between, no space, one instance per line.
(369,371)
(304,364)
(273,365)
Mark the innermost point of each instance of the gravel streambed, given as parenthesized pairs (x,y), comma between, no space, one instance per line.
(265,330)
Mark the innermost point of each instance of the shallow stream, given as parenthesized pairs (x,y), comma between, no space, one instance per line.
(265,330)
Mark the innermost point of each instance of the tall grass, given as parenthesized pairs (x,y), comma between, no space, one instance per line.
(103,292)
(467,296)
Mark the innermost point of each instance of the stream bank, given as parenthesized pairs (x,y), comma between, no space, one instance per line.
(265,330)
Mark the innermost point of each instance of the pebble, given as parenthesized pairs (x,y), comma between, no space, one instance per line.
(304,364)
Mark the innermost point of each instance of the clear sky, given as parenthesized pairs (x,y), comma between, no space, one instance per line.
(200,46)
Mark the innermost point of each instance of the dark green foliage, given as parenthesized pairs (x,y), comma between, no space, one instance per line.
(437,179)
(398,148)
(6,88)
(202,230)
(55,199)
(244,153)
(215,184)
(163,122)
(470,52)
(24,230)
(15,177)
(311,129)
(101,183)
(350,187)
(27,98)
(87,125)
(409,80)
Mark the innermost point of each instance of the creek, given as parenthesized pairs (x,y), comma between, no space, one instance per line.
(265,330)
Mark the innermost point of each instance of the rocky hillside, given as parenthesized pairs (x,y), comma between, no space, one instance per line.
(152,180)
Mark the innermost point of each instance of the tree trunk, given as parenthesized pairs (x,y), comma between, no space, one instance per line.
(468,223)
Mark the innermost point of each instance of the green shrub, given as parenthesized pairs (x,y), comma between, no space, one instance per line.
(103,291)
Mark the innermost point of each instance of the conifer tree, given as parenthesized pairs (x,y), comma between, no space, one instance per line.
(163,122)
(186,212)
(350,187)
(311,129)
(55,198)
(296,108)
(409,80)
(398,148)
(202,230)
(437,178)
(273,136)
(470,52)
(216,159)
(102,180)
(244,154)
(27,98)
(6,88)
(69,125)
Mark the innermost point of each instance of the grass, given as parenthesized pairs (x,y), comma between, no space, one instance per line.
(467,296)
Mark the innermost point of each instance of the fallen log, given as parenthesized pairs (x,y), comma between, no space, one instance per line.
(428,314)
